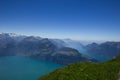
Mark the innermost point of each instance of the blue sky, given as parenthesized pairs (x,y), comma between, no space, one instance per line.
(75,19)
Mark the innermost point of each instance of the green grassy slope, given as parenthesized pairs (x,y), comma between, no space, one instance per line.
(87,71)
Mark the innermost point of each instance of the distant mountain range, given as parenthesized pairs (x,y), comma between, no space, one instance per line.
(62,51)
(106,49)
(54,50)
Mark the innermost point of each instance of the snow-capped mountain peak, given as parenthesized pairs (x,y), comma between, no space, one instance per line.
(12,34)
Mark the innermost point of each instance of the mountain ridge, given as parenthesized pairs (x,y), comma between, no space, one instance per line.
(39,48)
(100,52)
(104,49)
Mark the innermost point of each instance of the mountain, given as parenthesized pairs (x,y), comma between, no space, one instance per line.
(44,49)
(87,71)
(53,50)
(68,55)
(82,49)
(13,36)
(105,49)
(59,43)
(73,44)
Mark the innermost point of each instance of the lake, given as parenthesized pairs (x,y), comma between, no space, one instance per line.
(22,68)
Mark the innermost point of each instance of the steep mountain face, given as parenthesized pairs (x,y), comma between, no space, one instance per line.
(7,44)
(59,43)
(39,48)
(67,55)
(34,46)
(7,49)
(87,71)
(107,49)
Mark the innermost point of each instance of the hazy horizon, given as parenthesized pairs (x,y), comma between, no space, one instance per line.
(84,42)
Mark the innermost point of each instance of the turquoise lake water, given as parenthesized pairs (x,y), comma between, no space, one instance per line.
(22,68)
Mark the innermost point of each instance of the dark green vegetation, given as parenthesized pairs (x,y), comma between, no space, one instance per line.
(87,71)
